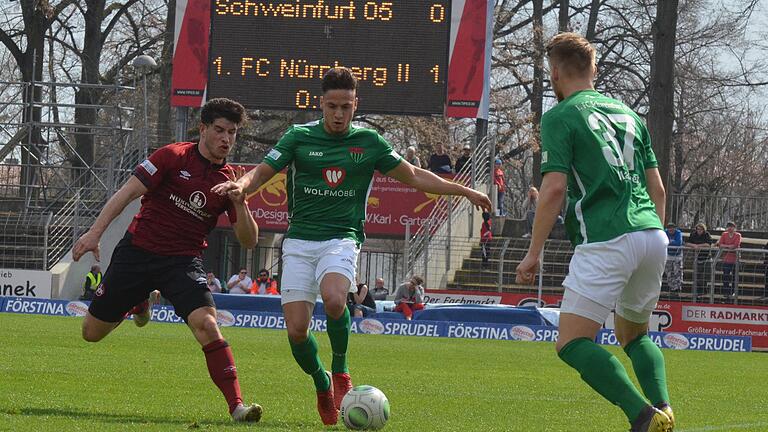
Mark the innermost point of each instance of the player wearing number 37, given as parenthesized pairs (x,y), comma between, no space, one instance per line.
(330,171)
(599,152)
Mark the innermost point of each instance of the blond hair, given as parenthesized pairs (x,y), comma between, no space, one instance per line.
(572,53)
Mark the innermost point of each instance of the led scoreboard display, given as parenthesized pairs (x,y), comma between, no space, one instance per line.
(273,54)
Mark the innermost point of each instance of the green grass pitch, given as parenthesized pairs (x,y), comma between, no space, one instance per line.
(155,379)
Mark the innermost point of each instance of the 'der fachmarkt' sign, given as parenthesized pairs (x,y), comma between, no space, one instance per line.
(25,283)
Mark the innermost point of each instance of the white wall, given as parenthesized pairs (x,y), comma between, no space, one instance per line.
(68,276)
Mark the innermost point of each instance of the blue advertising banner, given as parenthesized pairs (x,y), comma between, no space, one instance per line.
(450,329)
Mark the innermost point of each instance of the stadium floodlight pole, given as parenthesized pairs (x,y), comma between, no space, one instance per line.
(145,64)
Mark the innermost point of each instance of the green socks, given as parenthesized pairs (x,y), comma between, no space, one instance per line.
(605,374)
(648,363)
(338,332)
(306,356)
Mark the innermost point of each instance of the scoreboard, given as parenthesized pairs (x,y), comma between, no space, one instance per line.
(272,54)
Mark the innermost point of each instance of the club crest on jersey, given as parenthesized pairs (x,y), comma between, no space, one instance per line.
(334,176)
(197,199)
(356,154)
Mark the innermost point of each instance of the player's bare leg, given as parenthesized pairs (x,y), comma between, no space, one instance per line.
(334,288)
(647,361)
(95,329)
(305,351)
(603,372)
(221,363)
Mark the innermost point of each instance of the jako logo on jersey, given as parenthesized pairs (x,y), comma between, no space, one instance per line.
(100,290)
(197,199)
(356,153)
(185,175)
(334,176)
(314,153)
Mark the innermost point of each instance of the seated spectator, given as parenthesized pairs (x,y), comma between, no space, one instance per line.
(240,283)
(212,283)
(730,240)
(379,292)
(411,158)
(92,282)
(439,162)
(701,242)
(409,297)
(264,284)
(361,303)
(673,268)
(485,237)
(466,153)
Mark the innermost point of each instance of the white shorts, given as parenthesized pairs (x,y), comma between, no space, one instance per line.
(624,273)
(305,262)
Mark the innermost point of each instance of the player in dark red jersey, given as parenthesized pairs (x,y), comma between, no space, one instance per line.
(163,245)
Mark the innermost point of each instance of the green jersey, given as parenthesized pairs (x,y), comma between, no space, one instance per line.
(604,148)
(329,178)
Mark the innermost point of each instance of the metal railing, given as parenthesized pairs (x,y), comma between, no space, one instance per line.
(50,190)
(451,218)
(749,212)
(370,265)
(702,276)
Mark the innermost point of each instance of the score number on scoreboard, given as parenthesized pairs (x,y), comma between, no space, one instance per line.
(273,55)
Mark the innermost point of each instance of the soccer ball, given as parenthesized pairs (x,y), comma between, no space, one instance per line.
(365,408)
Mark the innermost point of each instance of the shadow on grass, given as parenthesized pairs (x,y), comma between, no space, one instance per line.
(144,419)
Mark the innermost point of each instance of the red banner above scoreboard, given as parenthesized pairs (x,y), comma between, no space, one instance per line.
(391,206)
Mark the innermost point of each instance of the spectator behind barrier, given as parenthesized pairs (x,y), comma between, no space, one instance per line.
(92,282)
(673,268)
(240,283)
(409,297)
(361,303)
(379,292)
(701,242)
(212,283)
(439,162)
(411,158)
(730,240)
(264,284)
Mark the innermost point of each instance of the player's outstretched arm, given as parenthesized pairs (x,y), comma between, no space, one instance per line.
(89,242)
(248,183)
(426,181)
(551,195)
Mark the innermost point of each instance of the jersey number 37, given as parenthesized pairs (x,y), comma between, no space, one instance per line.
(615,154)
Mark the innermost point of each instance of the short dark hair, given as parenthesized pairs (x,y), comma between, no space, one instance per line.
(223,107)
(731,223)
(264,271)
(339,78)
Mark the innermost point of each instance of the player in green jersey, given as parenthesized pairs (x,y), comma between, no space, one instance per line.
(330,174)
(598,151)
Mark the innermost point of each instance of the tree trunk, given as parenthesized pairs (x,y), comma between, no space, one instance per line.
(164,109)
(91,57)
(661,113)
(537,94)
(594,8)
(562,19)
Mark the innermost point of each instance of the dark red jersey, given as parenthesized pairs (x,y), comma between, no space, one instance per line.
(179,209)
